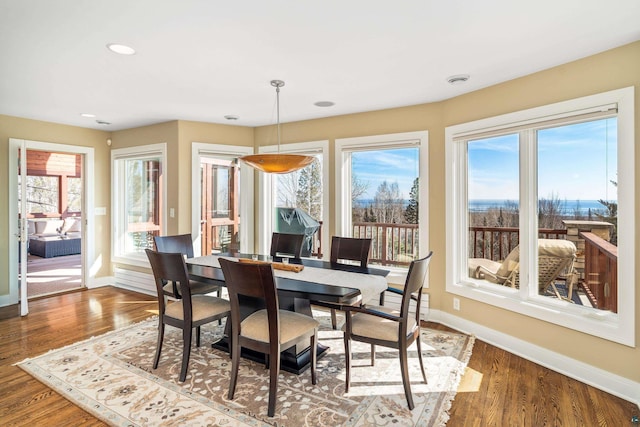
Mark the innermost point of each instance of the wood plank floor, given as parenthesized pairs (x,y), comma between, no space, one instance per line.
(499,389)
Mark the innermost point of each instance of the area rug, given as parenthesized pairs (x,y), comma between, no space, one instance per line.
(110,376)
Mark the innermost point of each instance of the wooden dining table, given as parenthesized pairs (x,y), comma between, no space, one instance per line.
(297,292)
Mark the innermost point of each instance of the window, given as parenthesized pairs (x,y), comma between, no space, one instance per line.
(294,202)
(137,201)
(378,183)
(540,213)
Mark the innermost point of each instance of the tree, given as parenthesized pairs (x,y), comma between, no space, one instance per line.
(309,190)
(411,212)
(387,203)
(610,216)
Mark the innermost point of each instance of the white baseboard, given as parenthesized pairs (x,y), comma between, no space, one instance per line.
(134,281)
(596,377)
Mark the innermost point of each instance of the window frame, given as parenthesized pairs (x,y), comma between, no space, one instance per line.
(345,147)
(265,185)
(618,327)
(142,152)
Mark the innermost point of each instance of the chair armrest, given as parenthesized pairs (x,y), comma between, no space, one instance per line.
(395,291)
(485,271)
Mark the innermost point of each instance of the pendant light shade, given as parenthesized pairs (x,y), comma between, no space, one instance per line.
(277,162)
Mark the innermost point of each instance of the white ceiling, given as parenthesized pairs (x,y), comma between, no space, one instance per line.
(203,59)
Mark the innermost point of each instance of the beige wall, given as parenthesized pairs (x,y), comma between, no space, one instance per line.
(13,127)
(610,70)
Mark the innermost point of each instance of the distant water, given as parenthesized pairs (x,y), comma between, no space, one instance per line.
(567,207)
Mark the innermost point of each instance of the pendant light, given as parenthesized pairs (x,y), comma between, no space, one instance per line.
(276,162)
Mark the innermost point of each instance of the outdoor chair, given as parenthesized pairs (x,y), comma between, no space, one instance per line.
(555,262)
(182,243)
(190,311)
(387,327)
(287,244)
(269,330)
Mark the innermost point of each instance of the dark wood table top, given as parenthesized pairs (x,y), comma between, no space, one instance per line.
(296,288)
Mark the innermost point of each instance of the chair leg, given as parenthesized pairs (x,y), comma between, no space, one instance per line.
(419,345)
(156,359)
(334,319)
(314,357)
(381,298)
(197,336)
(274,370)
(404,368)
(235,365)
(347,361)
(186,351)
(373,355)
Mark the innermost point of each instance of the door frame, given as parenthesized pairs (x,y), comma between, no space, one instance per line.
(87,248)
(199,149)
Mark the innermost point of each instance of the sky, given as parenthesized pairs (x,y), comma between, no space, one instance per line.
(575,162)
(395,165)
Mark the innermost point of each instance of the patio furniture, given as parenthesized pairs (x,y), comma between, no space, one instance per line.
(191,311)
(53,246)
(555,262)
(396,329)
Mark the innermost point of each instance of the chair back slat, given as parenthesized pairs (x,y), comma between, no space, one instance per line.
(287,244)
(351,249)
(179,243)
(170,267)
(413,286)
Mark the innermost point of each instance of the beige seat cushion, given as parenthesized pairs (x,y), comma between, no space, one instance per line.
(292,325)
(203,306)
(375,327)
(490,265)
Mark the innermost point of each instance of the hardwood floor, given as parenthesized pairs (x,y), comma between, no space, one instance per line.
(499,389)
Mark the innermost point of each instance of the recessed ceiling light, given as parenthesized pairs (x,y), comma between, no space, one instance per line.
(458,79)
(121,49)
(88,115)
(102,122)
(324,104)
(231,117)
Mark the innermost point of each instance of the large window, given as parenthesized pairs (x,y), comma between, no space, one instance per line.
(295,202)
(380,186)
(538,204)
(137,201)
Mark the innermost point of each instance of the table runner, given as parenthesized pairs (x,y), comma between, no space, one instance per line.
(369,285)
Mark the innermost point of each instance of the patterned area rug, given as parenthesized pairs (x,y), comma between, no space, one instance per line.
(110,376)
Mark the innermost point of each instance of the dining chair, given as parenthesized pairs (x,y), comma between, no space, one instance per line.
(349,249)
(268,330)
(190,311)
(287,244)
(182,243)
(388,327)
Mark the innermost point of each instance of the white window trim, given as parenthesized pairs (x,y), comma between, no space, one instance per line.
(117,199)
(618,327)
(265,208)
(344,148)
(231,152)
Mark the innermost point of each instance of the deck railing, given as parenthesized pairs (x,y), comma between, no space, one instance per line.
(495,243)
(600,272)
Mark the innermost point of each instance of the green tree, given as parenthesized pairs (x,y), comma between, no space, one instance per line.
(411,212)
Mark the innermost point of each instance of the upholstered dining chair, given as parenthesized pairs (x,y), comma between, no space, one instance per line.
(349,249)
(384,326)
(287,244)
(182,243)
(190,311)
(269,330)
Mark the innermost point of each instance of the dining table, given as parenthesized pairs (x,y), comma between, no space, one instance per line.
(300,282)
